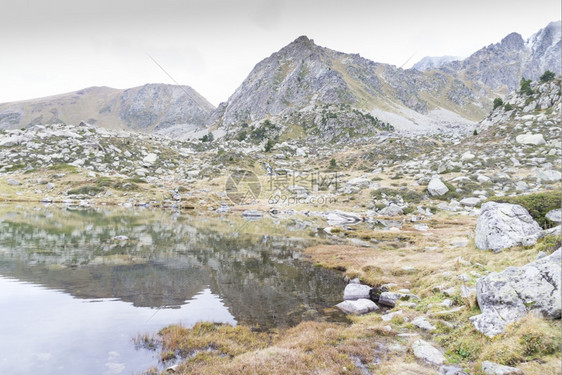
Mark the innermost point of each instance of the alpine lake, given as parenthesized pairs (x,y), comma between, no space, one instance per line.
(77,285)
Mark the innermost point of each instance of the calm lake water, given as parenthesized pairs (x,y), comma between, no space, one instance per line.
(73,296)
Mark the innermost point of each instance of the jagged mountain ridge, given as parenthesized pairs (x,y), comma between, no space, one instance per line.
(500,66)
(302,79)
(147,108)
(317,90)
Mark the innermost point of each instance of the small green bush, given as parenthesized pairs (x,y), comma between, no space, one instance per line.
(498,102)
(526,87)
(508,107)
(547,76)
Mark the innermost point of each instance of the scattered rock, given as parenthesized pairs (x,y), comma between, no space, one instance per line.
(555,215)
(340,218)
(356,291)
(421,323)
(509,295)
(252,214)
(451,370)
(359,307)
(530,139)
(13,182)
(426,352)
(389,298)
(388,317)
(503,225)
(549,175)
(491,368)
(150,158)
(436,187)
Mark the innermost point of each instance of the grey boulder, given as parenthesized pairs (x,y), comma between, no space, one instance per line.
(530,139)
(507,296)
(503,225)
(358,307)
(426,352)
(491,368)
(555,215)
(436,187)
(355,291)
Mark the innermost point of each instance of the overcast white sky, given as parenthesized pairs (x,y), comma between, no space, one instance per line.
(51,47)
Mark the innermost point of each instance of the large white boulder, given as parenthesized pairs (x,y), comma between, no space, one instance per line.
(503,225)
(436,187)
(356,291)
(509,295)
(530,139)
(549,175)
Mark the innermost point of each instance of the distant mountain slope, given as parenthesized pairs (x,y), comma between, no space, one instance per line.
(310,87)
(500,66)
(433,62)
(302,80)
(146,108)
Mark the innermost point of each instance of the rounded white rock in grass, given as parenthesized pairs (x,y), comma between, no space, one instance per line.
(503,225)
(530,139)
(426,352)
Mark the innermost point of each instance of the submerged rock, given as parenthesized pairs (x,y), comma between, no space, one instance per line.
(509,295)
(503,225)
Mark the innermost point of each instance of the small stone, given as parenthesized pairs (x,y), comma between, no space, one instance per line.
(491,368)
(421,323)
(150,158)
(389,298)
(426,352)
(451,370)
(388,317)
(13,182)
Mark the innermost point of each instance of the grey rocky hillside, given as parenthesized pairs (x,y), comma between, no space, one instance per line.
(499,160)
(323,92)
(148,108)
(502,65)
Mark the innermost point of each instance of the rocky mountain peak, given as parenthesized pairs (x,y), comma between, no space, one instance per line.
(513,41)
(303,39)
